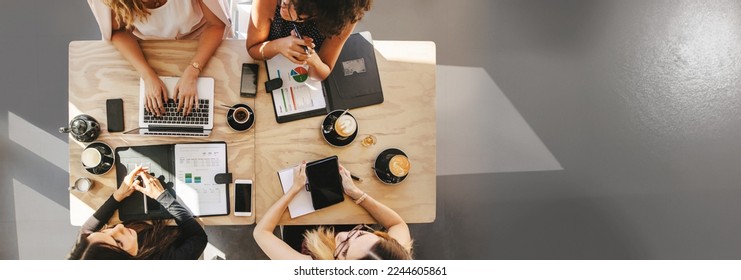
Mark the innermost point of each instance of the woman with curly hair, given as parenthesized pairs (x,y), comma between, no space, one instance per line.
(359,243)
(140,239)
(324,26)
(125,22)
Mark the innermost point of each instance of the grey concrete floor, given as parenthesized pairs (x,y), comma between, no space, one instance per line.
(567,129)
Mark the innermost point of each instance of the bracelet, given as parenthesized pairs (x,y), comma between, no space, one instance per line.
(196,65)
(262,50)
(361,199)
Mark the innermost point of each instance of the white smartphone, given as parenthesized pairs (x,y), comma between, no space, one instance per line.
(243,197)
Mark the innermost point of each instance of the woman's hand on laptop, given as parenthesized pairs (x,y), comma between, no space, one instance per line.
(186,92)
(156,95)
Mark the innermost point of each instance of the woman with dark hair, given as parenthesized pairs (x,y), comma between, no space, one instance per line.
(324,26)
(140,239)
(360,243)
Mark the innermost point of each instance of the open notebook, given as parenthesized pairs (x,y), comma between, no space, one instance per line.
(194,172)
(354,82)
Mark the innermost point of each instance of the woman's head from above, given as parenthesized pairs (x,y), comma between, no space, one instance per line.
(329,16)
(112,243)
(119,237)
(360,243)
(121,242)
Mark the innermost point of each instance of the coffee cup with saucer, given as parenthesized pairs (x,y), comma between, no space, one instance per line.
(97,158)
(392,166)
(240,117)
(339,129)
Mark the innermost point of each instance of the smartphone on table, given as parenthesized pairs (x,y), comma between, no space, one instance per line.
(248,87)
(114,115)
(243,190)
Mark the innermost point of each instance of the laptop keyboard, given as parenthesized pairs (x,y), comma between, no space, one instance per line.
(197,116)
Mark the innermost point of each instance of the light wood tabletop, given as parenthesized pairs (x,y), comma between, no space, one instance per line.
(405,120)
(97,71)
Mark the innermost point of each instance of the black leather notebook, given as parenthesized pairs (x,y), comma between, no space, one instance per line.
(354,81)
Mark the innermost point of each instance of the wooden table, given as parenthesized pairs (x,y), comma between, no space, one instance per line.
(405,120)
(97,71)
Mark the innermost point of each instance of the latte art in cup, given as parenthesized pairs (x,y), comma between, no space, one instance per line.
(345,126)
(91,157)
(399,165)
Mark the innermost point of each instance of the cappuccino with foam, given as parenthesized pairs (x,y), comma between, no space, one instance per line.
(345,126)
(399,165)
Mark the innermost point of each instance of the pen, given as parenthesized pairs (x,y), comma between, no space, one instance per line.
(295,29)
(355,178)
(144,197)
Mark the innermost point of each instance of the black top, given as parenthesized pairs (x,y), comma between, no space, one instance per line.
(280,28)
(190,242)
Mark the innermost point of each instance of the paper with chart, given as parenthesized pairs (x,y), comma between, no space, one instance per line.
(196,165)
(300,93)
(301,204)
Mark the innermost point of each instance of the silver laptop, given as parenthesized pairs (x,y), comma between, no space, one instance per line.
(199,122)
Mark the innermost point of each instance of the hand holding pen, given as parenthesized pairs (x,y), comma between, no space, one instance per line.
(298,35)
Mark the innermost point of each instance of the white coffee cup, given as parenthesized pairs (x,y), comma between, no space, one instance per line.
(82,185)
(91,157)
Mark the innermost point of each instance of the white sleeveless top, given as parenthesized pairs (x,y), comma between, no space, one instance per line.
(176,19)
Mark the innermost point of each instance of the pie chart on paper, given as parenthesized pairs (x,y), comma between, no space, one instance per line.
(299,74)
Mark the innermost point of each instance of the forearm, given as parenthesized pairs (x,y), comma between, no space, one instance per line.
(101,216)
(129,47)
(319,70)
(208,43)
(264,51)
(270,220)
(174,207)
(382,213)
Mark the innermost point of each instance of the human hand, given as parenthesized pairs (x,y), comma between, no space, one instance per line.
(299,177)
(156,95)
(186,92)
(293,48)
(313,58)
(152,186)
(348,185)
(128,184)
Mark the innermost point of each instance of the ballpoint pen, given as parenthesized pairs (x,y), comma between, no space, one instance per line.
(295,29)
(355,178)
(144,197)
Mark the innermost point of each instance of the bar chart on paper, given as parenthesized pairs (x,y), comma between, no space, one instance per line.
(196,166)
(300,93)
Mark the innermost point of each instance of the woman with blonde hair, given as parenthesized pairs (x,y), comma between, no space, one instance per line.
(125,22)
(362,242)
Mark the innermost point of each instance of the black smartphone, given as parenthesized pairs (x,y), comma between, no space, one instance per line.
(248,87)
(243,197)
(114,115)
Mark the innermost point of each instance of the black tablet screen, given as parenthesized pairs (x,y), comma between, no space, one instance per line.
(324,182)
